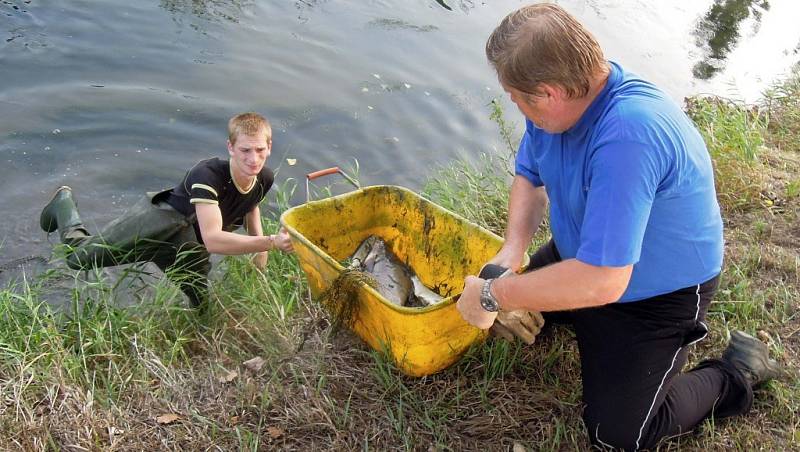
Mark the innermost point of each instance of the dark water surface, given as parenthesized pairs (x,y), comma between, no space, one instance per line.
(115,98)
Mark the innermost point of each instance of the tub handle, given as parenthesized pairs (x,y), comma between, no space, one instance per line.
(326,172)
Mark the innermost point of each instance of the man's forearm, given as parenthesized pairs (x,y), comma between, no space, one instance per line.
(253,222)
(569,284)
(526,207)
(230,243)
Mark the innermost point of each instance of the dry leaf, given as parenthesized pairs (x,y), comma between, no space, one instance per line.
(518,447)
(166,419)
(229,377)
(225,359)
(234,420)
(274,432)
(291,162)
(254,364)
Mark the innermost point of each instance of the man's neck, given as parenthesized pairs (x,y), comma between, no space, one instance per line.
(243,183)
(579,105)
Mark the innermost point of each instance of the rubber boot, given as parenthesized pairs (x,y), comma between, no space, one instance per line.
(61,213)
(751,357)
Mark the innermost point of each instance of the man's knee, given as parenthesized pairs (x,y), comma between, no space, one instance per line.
(609,429)
(77,260)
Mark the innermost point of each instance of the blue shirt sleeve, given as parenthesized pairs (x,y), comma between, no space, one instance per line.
(525,164)
(623,179)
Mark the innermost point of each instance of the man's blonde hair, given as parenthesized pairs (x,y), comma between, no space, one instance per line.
(249,124)
(542,43)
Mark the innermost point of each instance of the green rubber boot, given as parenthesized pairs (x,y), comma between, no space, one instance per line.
(61,214)
(751,357)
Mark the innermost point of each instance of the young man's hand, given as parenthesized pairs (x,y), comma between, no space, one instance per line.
(260,260)
(282,241)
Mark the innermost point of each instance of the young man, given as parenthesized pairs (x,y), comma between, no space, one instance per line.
(637,235)
(178,228)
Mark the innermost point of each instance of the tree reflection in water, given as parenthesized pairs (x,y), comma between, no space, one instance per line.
(207,10)
(717,32)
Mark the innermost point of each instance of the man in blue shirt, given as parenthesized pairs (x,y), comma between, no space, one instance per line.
(637,235)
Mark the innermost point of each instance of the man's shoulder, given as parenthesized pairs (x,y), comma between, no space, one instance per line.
(640,110)
(211,172)
(266,175)
(213,163)
(210,167)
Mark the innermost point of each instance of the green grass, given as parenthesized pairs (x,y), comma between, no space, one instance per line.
(734,136)
(98,373)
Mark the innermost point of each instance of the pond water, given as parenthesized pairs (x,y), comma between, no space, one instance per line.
(115,97)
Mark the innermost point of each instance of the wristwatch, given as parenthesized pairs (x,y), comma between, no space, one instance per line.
(488,301)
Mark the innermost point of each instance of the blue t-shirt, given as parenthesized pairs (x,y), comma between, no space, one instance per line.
(630,183)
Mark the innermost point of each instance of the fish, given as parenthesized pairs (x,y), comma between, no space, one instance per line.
(394,280)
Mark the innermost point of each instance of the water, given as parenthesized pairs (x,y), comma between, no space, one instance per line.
(115,98)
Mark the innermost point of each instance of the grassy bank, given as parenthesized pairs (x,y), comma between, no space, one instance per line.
(260,369)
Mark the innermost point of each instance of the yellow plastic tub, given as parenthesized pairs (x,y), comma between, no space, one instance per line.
(440,246)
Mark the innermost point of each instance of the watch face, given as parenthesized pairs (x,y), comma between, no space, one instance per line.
(488,302)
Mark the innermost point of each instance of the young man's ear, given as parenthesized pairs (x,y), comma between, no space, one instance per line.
(230,147)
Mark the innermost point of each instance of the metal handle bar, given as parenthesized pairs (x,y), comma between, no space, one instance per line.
(326,172)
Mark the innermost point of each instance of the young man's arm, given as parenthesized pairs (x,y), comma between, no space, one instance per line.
(209,219)
(217,241)
(252,223)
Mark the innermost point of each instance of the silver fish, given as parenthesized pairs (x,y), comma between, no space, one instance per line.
(396,282)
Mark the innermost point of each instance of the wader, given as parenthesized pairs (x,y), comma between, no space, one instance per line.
(151,230)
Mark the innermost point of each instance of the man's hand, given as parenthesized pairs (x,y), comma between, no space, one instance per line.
(522,324)
(260,260)
(509,258)
(469,304)
(282,241)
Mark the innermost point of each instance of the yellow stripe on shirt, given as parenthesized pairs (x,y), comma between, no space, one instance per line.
(203,201)
(205,187)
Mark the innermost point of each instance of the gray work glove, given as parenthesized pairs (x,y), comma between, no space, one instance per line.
(522,324)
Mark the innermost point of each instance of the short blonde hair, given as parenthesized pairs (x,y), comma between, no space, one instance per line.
(543,43)
(249,124)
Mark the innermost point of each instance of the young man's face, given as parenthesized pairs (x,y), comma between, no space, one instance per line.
(249,153)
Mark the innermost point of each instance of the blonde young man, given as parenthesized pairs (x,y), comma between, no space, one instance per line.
(637,235)
(178,228)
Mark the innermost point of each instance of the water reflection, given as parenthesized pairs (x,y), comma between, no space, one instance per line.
(399,24)
(207,10)
(718,32)
(464,5)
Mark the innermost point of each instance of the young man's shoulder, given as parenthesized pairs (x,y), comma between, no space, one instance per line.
(266,174)
(213,164)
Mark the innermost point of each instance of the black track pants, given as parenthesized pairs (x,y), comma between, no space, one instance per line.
(631,359)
